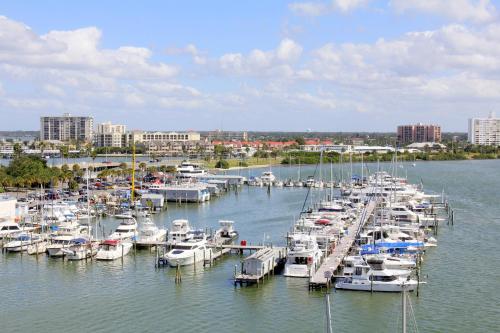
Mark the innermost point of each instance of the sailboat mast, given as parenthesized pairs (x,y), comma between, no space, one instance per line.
(133,175)
(403,306)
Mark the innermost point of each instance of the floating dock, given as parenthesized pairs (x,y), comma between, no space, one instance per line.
(325,272)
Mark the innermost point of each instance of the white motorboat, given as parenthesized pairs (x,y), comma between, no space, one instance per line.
(8,229)
(188,252)
(112,249)
(126,230)
(64,234)
(188,169)
(149,233)
(226,232)
(37,248)
(267,177)
(304,256)
(376,278)
(392,262)
(124,215)
(21,242)
(80,248)
(181,231)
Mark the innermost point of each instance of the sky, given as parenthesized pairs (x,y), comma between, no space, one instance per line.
(336,65)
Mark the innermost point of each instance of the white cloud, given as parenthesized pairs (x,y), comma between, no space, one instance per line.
(76,49)
(324,8)
(198,57)
(263,63)
(309,8)
(459,10)
(348,5)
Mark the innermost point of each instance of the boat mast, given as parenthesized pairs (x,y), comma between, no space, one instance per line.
(403,309)
(88,205)
(133,176)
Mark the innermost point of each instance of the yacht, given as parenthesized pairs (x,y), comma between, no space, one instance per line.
(226,232)
(188,169)
(21,242)
(112,249)
(375,277)
(127,229)
(80,248)
(64,234)
(181,231)
(149,233)
(304,256)
(8,229)
(188,252)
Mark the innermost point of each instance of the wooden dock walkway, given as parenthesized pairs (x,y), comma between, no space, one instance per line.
(324,273)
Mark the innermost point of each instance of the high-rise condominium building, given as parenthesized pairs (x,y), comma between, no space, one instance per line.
(66,128)
(485,131)
(110,135)
(419,133)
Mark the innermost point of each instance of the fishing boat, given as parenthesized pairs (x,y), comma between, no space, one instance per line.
(304,256)
(80,248)
(226,232)
(188,252)
(180,231)
(112,249)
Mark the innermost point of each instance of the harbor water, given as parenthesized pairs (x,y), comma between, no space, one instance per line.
(462,273)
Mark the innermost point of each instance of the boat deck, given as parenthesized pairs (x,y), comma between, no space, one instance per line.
(324,273)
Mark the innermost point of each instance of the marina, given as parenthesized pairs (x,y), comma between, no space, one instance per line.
(227,258)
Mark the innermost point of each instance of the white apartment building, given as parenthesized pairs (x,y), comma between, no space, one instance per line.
(485,131)
(66,128)
(110,135)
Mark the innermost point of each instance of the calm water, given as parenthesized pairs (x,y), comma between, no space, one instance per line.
(461,294)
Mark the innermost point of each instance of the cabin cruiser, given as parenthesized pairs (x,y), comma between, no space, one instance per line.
(149,233)
(226,232)
(112,249)
(8,229)
(303,256)
(375,277)
(63,235)
(267,178)
(188,252)
(21,242)
(181,231)
(127,229)
(392,262)
(80,248)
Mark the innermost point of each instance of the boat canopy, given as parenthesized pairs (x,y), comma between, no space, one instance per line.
(390,245)
(112,242)
(80,241)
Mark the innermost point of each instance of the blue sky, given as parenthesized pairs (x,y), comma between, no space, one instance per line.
(338,65)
